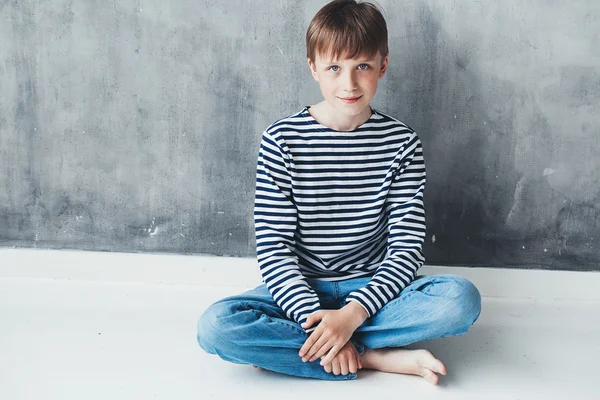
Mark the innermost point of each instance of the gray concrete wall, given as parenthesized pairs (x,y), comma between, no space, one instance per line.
(134,125)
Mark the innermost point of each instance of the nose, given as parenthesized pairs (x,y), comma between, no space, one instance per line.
(349,81)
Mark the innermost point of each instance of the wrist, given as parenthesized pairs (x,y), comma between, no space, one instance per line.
(357,312)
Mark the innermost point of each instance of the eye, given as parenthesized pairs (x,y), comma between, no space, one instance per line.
(363,67)
(334,68)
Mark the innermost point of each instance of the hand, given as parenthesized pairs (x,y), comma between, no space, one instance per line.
(346,361)
(334,330)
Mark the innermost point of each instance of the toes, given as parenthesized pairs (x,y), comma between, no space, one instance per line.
(439,367)
(429,361)
(430,376)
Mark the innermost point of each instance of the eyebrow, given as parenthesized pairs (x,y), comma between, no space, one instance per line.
(328,62)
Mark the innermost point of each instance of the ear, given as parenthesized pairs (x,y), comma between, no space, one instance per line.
(384,65)
(313,69)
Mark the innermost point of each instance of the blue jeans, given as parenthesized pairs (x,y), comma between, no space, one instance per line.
(252,329)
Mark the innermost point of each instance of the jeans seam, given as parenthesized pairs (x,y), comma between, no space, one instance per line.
(286,322)
(427,288)
(432,280)
(412,292)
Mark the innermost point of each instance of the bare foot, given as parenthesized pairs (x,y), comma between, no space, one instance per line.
(402,361)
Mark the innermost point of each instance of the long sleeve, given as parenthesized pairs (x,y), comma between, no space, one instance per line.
(276,219)
(406,228)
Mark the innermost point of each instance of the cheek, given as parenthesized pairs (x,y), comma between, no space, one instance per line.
(373,81)
(328,84)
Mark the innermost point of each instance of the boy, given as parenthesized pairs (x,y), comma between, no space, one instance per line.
(340,224)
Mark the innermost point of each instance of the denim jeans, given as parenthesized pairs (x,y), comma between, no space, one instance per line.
(251,329)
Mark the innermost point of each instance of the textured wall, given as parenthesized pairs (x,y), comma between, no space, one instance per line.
(134,125)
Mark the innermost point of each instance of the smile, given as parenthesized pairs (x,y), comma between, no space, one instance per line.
(349,100)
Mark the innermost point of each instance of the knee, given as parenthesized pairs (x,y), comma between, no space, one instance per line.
(464,302)
(210,328)
(471,302)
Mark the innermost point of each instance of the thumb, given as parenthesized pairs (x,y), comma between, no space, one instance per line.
(312,318)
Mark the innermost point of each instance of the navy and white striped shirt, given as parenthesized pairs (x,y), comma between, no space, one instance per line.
(338,205)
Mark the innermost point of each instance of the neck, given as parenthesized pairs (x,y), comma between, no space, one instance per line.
(324,114)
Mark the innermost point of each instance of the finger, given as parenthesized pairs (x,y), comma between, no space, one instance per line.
(353,364)
(344,364)
(330,356)
(314,336)
(326,348)
(358,359)
(328,368)
(308,323)
(313,346)
(336,367)
(307,345)
(311,319)
(318,348)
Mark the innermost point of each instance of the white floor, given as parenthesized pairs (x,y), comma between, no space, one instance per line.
(85,325)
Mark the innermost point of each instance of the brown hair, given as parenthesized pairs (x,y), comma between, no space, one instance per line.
(346,28)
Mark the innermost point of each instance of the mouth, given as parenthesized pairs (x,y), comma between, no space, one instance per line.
(350,100)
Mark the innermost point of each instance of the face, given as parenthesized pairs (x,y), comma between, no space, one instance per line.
(348,85)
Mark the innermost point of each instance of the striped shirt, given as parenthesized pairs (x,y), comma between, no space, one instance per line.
(337,205)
